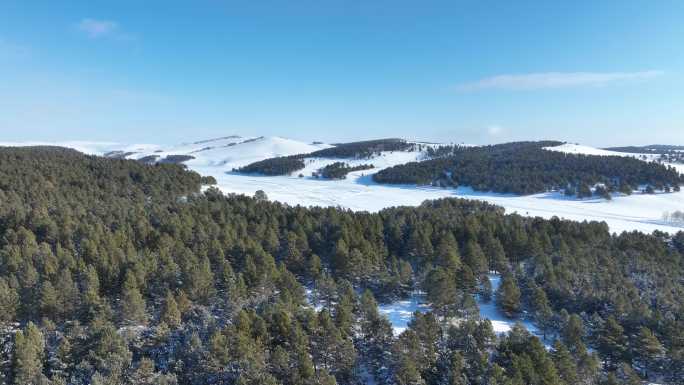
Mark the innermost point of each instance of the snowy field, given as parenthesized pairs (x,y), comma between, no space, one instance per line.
(218,157)
(400,313)
(359,192)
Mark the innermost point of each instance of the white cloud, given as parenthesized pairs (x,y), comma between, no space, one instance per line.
(494,130)
(98,28)
(556,80)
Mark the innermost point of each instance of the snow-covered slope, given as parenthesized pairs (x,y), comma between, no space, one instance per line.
(223,154)
(217,157)
(571,148)
(86,147)
(574,148)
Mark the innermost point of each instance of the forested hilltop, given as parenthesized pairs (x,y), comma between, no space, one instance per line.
(116,272)
(526,168)
(285,165)
(650,149)
(663,152)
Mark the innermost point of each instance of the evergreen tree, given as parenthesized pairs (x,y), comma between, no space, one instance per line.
(508,295)
(48,300)
(612,343)
(9,302)
(565,363)
(132,302)
(407,373)
(28,355)
(441,292)
(496,254)
(171,315)
(649,350)
(542,310)
(573,334)
(447,254)
(475,258)
(456,375)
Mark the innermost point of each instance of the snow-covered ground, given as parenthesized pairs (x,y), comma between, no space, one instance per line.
(400,312)
(570,148)
(573,148)
(359,192)
(221,154)
(86,147)
(500,322)
(217,157)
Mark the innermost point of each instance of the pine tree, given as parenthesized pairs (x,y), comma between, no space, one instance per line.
(649,350)
(314,267)
(612,343)
(305,368)
(132,302)
(485,288)
(108,351)
(573,334)
(28,355)
(496,254)
(184,303)
(456,375)
(447,254)
(542,310)
(327,291)
(475,258)
(407,373)
(340,259)
(565,363)
(92,302)
(144,373)
(344,316)
(170,313)
(583,191)
(9,302)
(508,295)
(292,255)
(67,294)
(219,352)
(200,282)
(49,306)
(260,196)
(441,292)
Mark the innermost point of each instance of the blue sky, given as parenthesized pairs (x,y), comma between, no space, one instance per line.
(596,72)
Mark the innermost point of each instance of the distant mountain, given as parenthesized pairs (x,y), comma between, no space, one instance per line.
(229,151)
(650,149)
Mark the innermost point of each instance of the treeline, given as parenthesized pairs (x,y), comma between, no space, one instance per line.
(665,153)
(363,149)
(283,165)
(526,168)
(115,272)
(652,149)
(354,150)
(339,170)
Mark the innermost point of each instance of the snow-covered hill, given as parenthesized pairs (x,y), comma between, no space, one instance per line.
(573,148)
(217,157)
(222,153)
(86,147)
(227,152)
